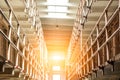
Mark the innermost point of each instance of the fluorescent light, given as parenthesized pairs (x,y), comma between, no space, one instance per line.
(51,8)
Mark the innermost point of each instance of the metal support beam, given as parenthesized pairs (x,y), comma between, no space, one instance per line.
(119,12)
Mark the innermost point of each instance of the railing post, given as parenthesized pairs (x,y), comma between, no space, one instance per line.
(92,66)
(97,37)
(92,61)
(18,30)
(23,61)
(9,45)
(18,33)
(107,50)
(9,34)
(8,53)
(119,13)
(97,29)
(27,71)
(16,64)
(18,43)
(106,17)
(10,16)
(98,59)
(24,39)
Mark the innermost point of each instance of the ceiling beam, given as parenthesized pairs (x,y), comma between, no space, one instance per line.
(48,11)
(41,10)
(60,17)
(101,8)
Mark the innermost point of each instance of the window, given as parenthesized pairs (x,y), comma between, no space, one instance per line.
(56,10)
(56,77)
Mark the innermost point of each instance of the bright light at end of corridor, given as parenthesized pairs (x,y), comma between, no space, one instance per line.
(57,57)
